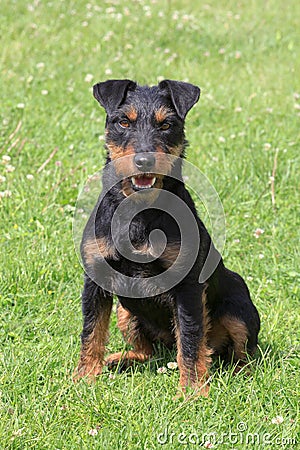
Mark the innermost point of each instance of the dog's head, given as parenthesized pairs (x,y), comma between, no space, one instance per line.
(145,129)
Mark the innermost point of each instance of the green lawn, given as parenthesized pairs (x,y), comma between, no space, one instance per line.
(245,129)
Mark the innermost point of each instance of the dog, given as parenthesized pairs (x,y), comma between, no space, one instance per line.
(145,143)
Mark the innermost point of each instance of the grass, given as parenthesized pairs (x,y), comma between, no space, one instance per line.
(244,57)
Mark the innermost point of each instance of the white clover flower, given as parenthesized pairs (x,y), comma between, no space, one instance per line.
(277,420)
(258,232)
(172,365)
(89,77)
(10,168)
(5,194)
(93,432)
(162,370)
(6,159)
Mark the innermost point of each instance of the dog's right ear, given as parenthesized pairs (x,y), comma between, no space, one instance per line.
(111,93)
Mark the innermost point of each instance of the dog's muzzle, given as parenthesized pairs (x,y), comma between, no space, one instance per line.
(144,163)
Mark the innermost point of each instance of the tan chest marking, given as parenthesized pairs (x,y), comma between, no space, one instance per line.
(98,248)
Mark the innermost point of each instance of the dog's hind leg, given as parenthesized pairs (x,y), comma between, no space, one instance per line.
(238,335)
(239,318)
(133,335)
(242,324)
(237,315)
(240,343)
(96,309)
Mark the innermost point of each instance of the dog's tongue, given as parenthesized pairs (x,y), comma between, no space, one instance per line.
(143,180)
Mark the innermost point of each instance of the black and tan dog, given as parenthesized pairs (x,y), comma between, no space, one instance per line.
(145,145)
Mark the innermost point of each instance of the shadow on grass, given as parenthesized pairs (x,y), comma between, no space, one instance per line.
(266,354)
(162,355)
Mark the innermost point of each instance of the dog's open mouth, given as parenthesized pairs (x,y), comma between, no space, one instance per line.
(143,181)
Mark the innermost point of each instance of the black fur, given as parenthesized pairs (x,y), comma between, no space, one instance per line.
(180,315)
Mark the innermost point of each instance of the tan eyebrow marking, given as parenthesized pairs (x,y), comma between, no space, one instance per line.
(131,113)
(162,113)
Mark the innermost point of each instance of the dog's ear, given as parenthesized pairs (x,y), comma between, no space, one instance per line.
(111,93)
(183,95)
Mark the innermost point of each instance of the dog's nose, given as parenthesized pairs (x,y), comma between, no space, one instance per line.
(144,162)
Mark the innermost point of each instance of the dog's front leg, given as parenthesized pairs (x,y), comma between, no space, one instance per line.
(96,309)
(193,355)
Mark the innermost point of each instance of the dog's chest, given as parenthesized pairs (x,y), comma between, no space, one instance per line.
(141,247)
(155,241)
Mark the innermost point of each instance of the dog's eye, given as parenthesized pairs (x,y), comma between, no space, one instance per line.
(165,126)
(124,123)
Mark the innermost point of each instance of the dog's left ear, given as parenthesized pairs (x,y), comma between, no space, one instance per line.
(183,95)
(111,93)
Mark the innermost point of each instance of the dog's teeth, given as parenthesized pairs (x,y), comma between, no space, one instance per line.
(135,183)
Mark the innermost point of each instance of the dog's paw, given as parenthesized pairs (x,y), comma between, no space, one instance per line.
(118,360)
(192,390)
(123,360)
(90,372)
(244,367)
